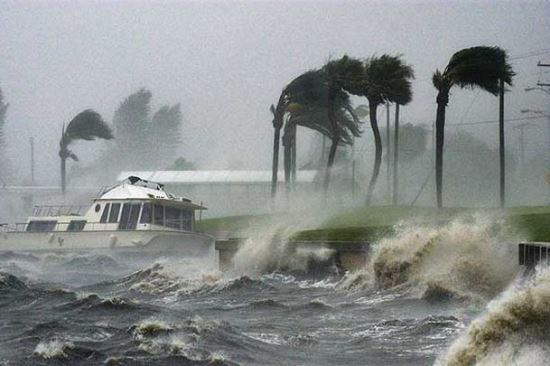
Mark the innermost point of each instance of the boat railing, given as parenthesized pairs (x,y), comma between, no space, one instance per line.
(59,210)
(80,225)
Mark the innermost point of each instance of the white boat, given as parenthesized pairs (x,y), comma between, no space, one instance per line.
(134,216)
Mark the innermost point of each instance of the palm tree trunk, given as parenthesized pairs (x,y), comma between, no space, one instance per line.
(293,156)
(335,138)
(63,174)
(287,159)
(377,153)
(395,154)
(442,100)
(501,145)
(275,167)
(330,163)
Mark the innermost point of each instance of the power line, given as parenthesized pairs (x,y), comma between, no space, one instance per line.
(494,121)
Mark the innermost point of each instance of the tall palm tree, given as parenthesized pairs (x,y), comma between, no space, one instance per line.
(278,115)
(342,78)
(87,125)
(303,90)
(386,79)
(483,67)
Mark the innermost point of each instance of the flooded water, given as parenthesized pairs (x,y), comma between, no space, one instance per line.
(403,308)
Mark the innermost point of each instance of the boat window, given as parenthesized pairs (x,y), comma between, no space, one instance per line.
(159,215)
(146,214)
(105,213)
(41,226)
(76,225)
(115,210)
(172,217)
(129,216)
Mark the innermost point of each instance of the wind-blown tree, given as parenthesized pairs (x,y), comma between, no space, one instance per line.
(342,78)
(3,161)
(302,93)
(303,102)
(164,130)
(131,126)
(278,120)
(315,117)
(87,125)
(386,79)
(477,67)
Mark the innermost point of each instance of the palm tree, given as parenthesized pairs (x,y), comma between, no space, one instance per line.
(386,79)
(483,67)
(342,78)
(278,115)
(303,102)
(303,90)
(87,125)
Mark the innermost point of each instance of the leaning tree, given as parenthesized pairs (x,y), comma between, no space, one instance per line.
(343,77)
(386,79)
(482,67)
(303,102)
(87,125)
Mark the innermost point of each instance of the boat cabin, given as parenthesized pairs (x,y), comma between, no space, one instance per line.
(135,204)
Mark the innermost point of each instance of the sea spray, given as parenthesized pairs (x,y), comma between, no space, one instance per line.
(465,258)
(54,348)
(270,249)
(515,329)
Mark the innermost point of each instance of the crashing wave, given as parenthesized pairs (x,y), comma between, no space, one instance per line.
(514,329)
(9,282)
(11,256)
(269,249)
(466,258)
(151,328)
(53,349)
(94,302)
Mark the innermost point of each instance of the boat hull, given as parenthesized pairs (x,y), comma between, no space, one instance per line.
(151,242)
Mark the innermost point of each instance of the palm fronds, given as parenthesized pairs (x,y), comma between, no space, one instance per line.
(87,125)
(481,67)
(387,78)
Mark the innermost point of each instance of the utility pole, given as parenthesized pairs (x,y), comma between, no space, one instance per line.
(395,154)
(521,127)
(501,145)
(31,140)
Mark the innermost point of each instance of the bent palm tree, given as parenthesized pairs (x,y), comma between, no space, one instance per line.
(302,93)
(386,79)
(303,102)
(342,78)
(87,125)
(483,67)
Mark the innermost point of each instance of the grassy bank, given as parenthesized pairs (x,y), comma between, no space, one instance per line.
(372,223)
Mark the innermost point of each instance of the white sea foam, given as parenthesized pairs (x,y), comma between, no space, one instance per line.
(465,258)
(53,349)
(513,330)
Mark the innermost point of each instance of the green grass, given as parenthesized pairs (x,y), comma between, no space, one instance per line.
(372,223)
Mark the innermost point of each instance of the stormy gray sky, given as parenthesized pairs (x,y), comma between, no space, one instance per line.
(227,61)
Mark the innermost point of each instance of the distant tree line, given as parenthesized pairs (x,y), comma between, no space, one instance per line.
(143,141)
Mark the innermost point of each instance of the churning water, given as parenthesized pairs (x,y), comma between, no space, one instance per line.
(450,295)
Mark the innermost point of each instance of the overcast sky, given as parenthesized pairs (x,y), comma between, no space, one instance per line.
(226,62)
